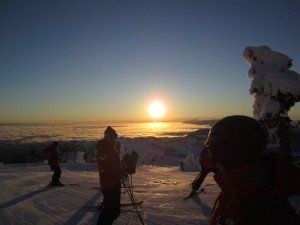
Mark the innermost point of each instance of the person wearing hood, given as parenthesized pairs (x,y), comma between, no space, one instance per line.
(110,172)
(255,184)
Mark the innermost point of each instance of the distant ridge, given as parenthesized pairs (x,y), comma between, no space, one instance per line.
(201,122)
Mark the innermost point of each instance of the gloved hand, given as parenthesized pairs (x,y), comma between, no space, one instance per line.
(124,177)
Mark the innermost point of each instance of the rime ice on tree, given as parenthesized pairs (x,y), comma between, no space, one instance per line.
(275,88)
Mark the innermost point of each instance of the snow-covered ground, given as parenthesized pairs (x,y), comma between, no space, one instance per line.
(25,198)
(158,181)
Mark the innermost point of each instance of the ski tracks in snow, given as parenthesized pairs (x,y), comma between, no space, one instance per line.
(24,201)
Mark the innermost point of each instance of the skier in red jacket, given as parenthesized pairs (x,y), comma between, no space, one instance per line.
(54,157)
(255,184)
(110,172)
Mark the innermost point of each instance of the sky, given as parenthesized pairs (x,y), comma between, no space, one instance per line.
(78,60)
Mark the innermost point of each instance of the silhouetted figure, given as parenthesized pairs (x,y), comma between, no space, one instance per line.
(207,166)
(54,158)
(255,185)
(110,172)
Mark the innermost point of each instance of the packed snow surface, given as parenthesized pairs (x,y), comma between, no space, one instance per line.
(25,197)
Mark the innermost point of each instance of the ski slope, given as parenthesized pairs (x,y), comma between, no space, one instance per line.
(25,198)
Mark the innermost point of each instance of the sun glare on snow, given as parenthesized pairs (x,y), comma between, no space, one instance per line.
(156,110)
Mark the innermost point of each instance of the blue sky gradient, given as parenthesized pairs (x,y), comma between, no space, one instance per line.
(107,60)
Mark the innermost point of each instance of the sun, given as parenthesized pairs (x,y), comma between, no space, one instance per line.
(156,110)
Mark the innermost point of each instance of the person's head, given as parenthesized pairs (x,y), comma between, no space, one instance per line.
(237,140)
(54,144)
(110,133)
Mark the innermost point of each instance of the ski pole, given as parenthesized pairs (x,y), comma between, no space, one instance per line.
(133,202)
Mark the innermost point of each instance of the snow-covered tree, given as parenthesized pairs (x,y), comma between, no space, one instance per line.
(275,88)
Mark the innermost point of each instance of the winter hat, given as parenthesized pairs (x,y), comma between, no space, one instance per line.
(110,132)
(237,140)
(54,143)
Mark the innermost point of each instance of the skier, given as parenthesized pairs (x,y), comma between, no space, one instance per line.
(54,158)
(207,166)
(255,184)
(110,172)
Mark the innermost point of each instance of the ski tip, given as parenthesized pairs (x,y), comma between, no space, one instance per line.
(192,194)
(75,184)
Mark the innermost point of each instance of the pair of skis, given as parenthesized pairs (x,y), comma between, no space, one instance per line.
(62,185)
(99,207)
(127,185)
